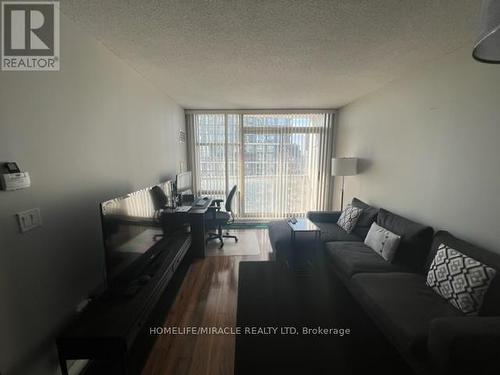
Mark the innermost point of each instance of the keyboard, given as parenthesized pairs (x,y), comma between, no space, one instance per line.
(183,209)
(201,202)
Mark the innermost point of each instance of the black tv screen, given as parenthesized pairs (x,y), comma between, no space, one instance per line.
(131,227)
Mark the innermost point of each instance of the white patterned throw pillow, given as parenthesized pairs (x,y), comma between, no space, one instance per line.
(460,279)
(349,217)
(384,242)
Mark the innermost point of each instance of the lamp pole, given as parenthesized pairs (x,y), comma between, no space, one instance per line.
(342,195)
(342,167)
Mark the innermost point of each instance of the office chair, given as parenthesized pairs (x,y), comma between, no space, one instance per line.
(158,197)
(160,202)
(218,219)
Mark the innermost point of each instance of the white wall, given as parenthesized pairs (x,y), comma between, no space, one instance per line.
(429,145)
(90,132)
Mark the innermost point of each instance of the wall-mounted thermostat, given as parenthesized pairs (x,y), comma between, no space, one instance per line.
(15,181)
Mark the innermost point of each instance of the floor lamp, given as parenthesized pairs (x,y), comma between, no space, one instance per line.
(344,167)
(487,47)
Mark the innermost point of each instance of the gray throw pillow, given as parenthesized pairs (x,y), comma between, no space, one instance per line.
(384,242)
(460,279)
(349,217)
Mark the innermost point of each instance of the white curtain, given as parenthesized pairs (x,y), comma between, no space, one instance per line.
(279,161)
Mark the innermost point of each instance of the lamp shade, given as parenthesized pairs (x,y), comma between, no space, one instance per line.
(487,47)
(344,166)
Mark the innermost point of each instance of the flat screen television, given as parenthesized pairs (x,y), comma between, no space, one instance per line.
(131,228)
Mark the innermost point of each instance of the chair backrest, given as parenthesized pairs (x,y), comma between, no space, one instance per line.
(229,199)
(159,197)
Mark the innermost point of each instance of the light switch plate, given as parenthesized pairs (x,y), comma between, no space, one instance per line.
(182,136)
(29,219)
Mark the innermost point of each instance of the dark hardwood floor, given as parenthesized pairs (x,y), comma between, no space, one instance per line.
(207,298)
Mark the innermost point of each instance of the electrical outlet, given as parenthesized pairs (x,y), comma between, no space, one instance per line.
(29,219)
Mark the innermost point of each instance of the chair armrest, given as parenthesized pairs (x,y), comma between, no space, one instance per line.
(216,203)
(465,345)
(324,216)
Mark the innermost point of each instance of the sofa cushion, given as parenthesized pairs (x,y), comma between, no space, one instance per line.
(349,258)
(382,241)
(367,218)
(332,232)
(349,217)
(415,241)
(403,306)
(326,216)
(461,280)
(491,301)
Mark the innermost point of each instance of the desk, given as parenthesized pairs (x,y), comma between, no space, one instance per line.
(195,217)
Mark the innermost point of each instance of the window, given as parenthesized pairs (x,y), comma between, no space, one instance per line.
(280,162)
(217,152)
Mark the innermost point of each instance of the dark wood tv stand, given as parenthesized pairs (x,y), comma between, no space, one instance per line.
(108,328)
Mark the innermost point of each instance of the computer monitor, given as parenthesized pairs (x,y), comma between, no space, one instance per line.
(184,182)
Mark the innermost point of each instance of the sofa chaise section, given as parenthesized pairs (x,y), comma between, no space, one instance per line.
(430,333)
(403,306)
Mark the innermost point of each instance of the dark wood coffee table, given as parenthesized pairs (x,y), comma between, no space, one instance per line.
(304,225)
(303,255)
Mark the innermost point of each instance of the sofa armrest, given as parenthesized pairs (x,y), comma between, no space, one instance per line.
(465,345)
(324,216)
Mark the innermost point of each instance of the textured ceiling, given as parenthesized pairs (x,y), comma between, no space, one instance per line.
(275,53)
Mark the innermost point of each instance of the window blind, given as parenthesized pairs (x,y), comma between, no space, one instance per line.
(279,161)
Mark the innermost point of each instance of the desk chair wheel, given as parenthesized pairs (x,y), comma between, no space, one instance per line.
(219,236)
(228,235)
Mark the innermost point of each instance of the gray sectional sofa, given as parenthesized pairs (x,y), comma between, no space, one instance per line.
(279,231)
(432,335)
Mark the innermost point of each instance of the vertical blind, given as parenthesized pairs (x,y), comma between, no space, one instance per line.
(279,161)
